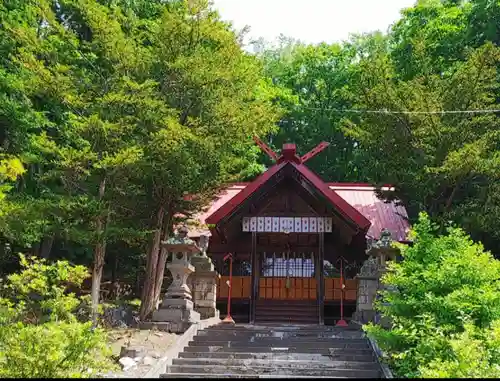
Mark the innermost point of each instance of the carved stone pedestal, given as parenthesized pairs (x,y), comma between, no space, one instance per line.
(367,292)
(180,317)
(204,284)
(177,306)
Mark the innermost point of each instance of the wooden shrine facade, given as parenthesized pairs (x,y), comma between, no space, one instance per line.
(289,233)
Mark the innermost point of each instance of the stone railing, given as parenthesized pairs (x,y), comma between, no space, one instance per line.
(386,371)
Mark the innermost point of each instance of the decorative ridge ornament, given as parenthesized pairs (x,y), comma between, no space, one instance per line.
(289,152)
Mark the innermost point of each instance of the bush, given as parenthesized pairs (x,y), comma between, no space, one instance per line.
(444,301)
(475,354)
(40,335)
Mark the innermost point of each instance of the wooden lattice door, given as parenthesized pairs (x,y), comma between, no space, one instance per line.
(288,275)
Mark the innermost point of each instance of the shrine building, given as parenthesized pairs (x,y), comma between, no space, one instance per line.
(291,234)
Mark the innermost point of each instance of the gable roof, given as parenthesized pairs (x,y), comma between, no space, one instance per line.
(345,209)
(246,192)
(341,205)
(362,197)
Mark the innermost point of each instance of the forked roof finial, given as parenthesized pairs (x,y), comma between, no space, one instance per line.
(289,151)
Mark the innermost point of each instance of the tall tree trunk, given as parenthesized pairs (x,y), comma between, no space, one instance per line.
(449,201)
(148,291)
(114,271)
(162,260)
(99,255)
(115,285)
(35,249)
(46,247)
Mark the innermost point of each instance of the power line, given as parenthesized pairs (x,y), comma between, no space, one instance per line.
(389,112)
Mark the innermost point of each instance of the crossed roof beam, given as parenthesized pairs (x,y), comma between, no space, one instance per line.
(289,152)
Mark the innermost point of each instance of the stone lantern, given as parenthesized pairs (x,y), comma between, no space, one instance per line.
(383,250)
(370,274)
(177,305)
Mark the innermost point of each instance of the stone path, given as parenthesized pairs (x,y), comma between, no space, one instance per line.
(148,345)
(276,351)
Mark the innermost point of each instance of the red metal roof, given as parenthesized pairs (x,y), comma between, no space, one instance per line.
(381,214)
(344,207)
(356,202)
(338,202)
(360,196)
(227,207)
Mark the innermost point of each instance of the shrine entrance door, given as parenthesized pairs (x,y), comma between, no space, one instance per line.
(287,287)
(287,275)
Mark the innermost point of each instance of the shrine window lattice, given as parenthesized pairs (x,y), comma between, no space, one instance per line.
(300,265)
(295,265)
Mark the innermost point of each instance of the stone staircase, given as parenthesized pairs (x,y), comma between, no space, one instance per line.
(276,351)
(285,311)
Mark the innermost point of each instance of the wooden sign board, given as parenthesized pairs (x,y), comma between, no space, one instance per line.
(287,224)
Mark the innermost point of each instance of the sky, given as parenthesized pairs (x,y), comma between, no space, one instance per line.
(311,21)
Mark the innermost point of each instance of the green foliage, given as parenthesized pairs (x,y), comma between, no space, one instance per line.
(128,94)
(442,300)
(433,35)
(40,335)
(440,56)
(475,354)
(451,161)
(10,169)
(118,109)
(39,291)
(316,81)
(52,350)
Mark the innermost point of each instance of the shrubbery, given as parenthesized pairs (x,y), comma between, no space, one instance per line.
(444,307)
(40,335)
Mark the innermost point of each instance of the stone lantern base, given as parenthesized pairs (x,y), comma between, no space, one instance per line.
(178,314)
(367,291)
(204,287)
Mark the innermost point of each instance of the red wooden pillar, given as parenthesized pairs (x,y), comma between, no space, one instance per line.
(228,318)
(341,322)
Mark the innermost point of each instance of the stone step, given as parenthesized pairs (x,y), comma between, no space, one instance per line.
(282,335)
(331,343)
(281,326)
(281,350)
(338,356)
(292,310)
(269,370)
(205,375)
(279,364)
(277,327)
(277,336)
(295,319)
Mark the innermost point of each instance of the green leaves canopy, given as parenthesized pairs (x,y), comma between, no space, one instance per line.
(439,58)
(443,295)
(156,99)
